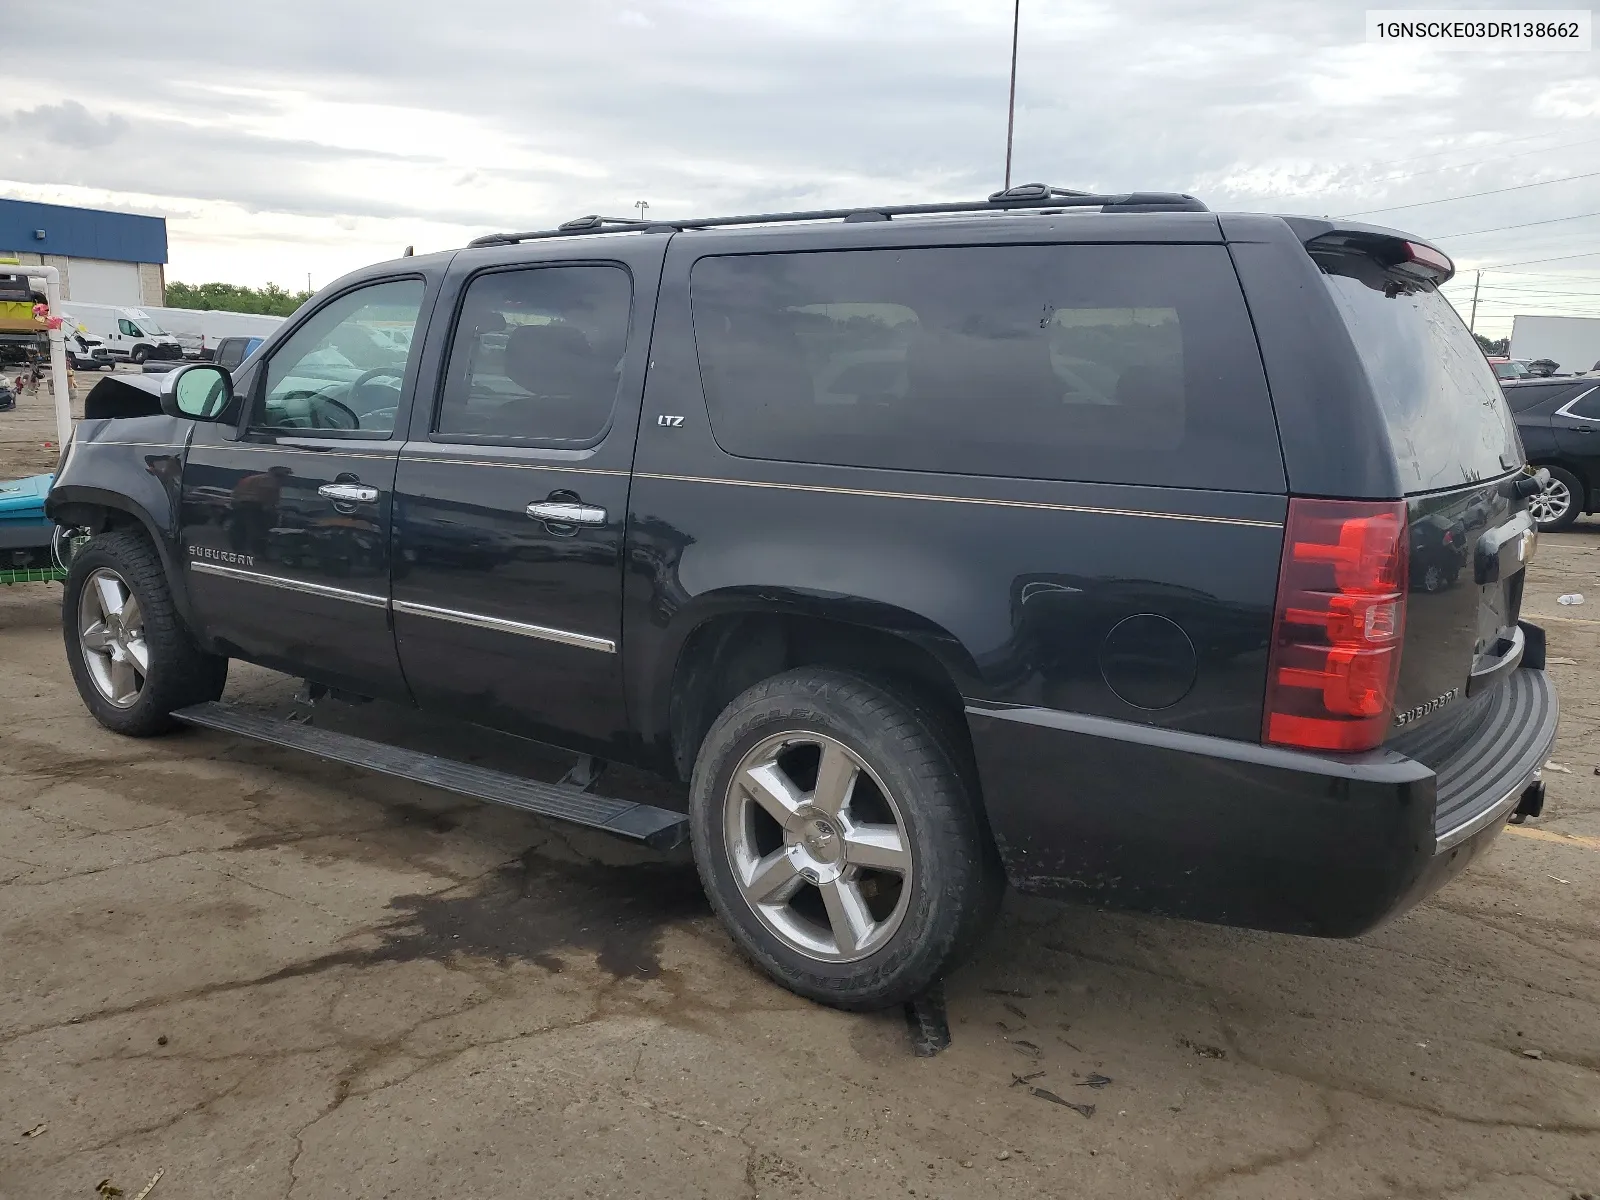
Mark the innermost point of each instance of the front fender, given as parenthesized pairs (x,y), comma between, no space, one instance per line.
(132,466)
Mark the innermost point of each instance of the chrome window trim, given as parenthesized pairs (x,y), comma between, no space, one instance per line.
(528,464)
(500,625)
(1562,411)
(290,585)
(1038,505)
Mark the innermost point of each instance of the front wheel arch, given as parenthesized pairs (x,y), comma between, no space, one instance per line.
(99,512)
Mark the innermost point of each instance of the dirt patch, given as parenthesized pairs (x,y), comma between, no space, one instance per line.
(537,909)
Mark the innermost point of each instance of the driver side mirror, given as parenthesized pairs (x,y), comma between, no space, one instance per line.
(198,392)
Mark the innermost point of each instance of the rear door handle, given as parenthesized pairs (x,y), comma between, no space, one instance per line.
(350,493)
(559,512)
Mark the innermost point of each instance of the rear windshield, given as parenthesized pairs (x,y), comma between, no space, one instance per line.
(1448,420)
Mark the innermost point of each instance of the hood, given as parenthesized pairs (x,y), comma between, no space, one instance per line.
(124,396)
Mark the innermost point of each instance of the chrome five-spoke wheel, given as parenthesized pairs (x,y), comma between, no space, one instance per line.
(1550,505)
(111,632)
(819,848)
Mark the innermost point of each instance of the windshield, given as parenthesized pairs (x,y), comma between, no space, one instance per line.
(151,329)
(1448,420)
(1509,370)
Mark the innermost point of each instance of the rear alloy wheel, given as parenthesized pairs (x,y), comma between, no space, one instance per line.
(839,838)
(827,869)
(1559,504)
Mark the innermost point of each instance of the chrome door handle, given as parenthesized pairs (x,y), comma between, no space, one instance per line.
(557,512)
(358,493)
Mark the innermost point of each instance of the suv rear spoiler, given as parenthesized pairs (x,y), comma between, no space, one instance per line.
(1390,248)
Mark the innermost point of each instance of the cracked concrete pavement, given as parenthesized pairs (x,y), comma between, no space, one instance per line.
(268,976)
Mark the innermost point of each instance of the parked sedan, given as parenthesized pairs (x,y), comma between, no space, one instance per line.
(1559,420)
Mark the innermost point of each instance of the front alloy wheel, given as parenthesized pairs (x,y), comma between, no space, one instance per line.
(818,845)
(111,633)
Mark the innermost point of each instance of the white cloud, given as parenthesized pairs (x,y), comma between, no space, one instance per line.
(303,135)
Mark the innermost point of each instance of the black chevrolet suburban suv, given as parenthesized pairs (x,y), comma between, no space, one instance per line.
(1077,541)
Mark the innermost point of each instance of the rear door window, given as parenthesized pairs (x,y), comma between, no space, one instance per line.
(1112,364)
(537,356)
(1449,423)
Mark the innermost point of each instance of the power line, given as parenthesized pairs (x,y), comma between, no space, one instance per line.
(1471,195)
(1528,262)
(1483,162)
(1524,225)
(1527,137)
(1533,290)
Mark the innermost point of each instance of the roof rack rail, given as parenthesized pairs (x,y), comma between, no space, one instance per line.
(1023,196)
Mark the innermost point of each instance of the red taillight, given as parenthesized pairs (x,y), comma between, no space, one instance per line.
(1336,636)
(1428,257)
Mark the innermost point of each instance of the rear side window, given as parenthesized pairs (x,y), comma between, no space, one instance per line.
(1111,364)
(1448,419)
(1585,405)
(537,355)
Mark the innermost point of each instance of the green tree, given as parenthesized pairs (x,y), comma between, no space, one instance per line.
(1493,345)
(271,301)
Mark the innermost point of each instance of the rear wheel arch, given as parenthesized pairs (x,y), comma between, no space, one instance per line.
(1572,467)
(727,652)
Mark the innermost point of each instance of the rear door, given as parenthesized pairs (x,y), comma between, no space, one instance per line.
(512,494)
(1453,437)
(286,524)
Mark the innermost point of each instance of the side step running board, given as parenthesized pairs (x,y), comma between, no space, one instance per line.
(655,827)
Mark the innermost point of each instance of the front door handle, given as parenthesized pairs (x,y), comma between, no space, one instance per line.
(350,493)
(559,512)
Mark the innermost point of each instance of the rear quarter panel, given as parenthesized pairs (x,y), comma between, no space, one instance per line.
(1012,584)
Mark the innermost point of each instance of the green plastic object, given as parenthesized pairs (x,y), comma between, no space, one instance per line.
(22,510)
(32,575)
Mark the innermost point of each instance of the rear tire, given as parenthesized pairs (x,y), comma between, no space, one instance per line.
(131,657)
(1559,505)
(869,890)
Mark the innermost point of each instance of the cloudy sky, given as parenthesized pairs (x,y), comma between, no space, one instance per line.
(287,137)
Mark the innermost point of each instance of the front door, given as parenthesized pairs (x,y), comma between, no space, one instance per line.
(511,501)
(286,526)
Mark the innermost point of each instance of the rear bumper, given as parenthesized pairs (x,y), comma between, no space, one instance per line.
(1132,816)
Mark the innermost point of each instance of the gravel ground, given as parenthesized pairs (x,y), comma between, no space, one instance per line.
(262,975)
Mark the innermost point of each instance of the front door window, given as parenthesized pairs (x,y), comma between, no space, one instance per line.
(343,370)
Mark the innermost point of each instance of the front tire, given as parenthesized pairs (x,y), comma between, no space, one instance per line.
(140,353)
(1559,504)
(131,657)
(839,839)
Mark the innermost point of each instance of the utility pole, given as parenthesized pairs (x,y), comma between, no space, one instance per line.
(641,205)
(1472,322)
(1011,105)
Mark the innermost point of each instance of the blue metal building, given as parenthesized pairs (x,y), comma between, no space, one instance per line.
(105,257)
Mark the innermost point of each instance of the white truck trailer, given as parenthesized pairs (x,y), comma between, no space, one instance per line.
(199,330)
(1573,342)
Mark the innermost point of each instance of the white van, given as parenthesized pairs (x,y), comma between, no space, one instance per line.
(129,334)
(200,330)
